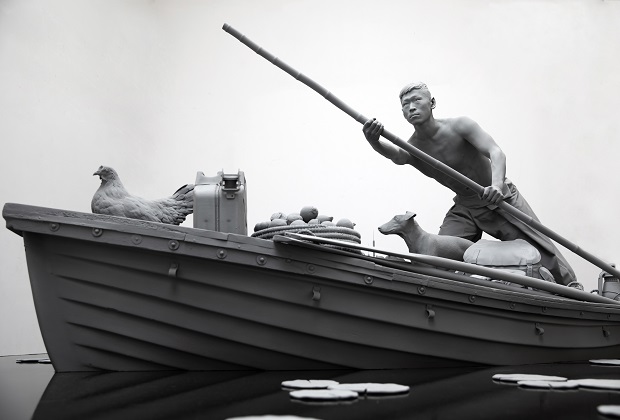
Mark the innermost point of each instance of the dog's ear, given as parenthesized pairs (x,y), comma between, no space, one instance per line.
(409,215)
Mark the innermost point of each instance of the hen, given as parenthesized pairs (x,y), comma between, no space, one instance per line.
(113,199)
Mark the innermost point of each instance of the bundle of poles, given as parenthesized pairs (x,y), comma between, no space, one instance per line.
(453,270)
(440,166)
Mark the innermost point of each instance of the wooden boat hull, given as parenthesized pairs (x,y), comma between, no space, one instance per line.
(121,294)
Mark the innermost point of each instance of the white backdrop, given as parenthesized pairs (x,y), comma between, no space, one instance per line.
(157,90)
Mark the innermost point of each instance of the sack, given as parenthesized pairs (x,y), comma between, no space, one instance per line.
(517,255)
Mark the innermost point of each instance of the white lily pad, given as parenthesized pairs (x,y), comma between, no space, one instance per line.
(612,384)
(373,388)
(309,384)
(516,377)
(609,362)
(549,384)
(324,394)
(609,410)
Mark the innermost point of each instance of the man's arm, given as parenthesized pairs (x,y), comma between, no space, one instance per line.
(484,143)
(372,130)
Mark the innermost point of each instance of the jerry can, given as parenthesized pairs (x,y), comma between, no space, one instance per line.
(220,202)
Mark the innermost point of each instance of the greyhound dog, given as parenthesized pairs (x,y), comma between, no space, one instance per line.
(421,242)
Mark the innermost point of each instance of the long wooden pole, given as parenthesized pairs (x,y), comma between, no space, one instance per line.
(440,166)
(492,273)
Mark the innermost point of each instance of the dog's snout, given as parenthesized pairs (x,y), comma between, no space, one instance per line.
(383,229)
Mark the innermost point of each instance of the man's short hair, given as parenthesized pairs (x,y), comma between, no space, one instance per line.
(413,86)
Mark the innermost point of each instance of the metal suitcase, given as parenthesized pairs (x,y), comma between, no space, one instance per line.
(220,203)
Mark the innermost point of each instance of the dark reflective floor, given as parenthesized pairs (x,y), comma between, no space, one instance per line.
(34,391)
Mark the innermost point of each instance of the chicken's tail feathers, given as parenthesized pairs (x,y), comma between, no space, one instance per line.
(182,204)
(185,193)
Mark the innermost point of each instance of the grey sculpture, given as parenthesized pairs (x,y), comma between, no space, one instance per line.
(113,199)
(464,146)
(508,210)
(421,242)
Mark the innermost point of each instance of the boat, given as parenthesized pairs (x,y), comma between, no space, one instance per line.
(119,294)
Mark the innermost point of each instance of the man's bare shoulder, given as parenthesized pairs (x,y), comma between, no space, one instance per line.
(462,122)
(462,125)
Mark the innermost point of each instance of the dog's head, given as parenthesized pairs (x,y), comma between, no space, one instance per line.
(397,224)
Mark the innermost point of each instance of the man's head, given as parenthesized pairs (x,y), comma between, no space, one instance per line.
(417,103)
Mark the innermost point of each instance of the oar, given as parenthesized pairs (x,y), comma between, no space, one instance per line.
(440,166)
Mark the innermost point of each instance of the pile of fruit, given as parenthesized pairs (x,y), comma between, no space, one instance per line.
(307,221)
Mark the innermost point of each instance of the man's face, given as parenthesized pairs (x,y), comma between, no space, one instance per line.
(417,106)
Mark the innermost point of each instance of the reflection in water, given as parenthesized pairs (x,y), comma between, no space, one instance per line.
(462,393)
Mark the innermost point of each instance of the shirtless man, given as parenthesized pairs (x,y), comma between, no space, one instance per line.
(463,145)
